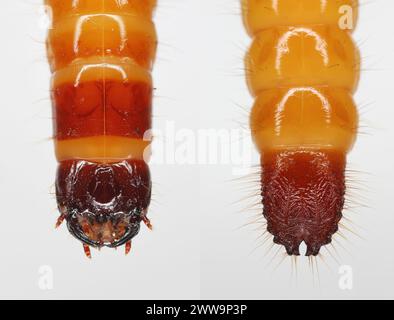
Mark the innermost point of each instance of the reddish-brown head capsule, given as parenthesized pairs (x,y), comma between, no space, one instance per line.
(103,204)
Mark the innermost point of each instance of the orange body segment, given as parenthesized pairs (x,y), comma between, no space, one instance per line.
(302,55)
(102,34)
(59,9)
(310,117)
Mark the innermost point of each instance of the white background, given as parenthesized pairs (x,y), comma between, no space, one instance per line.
(198,248)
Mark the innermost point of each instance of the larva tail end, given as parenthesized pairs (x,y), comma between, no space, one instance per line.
(103,204)
(303,196)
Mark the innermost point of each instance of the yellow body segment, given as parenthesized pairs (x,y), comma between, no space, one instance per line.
(264,14)
(103,149)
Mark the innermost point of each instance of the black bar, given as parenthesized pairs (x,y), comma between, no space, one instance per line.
(198,309)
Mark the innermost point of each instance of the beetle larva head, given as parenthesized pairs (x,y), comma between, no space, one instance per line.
(303,196)
(103,203)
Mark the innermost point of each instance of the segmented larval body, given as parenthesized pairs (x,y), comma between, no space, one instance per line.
(101,54)
(302,69)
